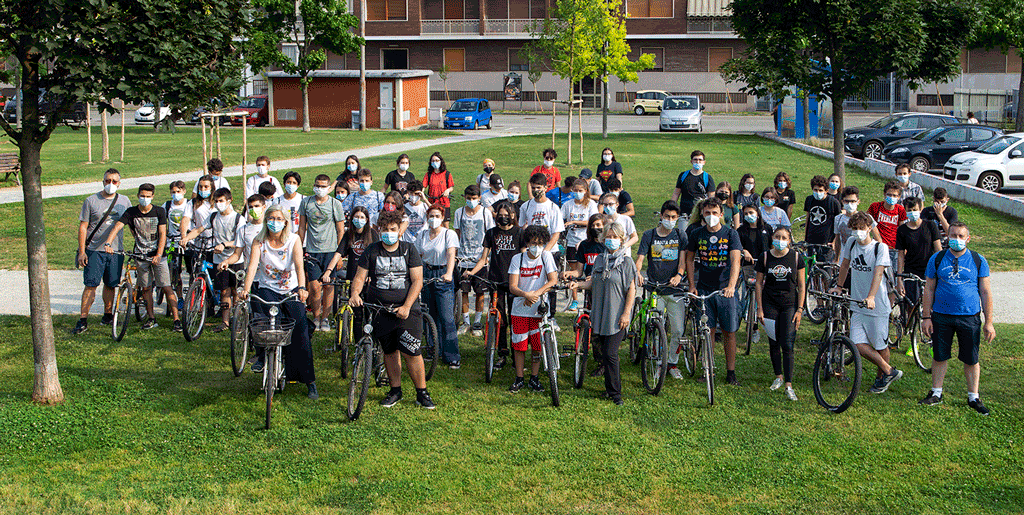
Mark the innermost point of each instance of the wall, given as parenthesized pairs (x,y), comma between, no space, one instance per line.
(331,101)
(414,98)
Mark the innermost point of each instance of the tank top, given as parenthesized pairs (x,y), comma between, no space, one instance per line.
(277,266)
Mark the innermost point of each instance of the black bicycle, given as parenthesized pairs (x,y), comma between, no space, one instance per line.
(367,363)
(837,369)
(905,322)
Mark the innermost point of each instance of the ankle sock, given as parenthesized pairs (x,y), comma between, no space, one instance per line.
(937,392)
(396,389)
(972,396)
(476,318)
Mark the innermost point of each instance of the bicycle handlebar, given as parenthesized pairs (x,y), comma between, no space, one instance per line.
(910,277)
(291,296)
(133,254)
(840,298)
(703,297)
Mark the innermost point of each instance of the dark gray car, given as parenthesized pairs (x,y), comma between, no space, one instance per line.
(868,141)
(932,148)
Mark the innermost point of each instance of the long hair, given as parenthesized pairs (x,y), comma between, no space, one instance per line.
(265,232)
(397,199)
(196,199)
(728,202)
(351,233)
(430,169)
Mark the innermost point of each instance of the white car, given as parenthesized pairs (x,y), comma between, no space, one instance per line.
(995,165)
(144,115)
(682,113)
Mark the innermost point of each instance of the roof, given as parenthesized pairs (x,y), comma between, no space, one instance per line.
(354,74)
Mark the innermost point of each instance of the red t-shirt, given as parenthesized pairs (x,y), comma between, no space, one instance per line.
(553,175)
(435,184)
(888,221)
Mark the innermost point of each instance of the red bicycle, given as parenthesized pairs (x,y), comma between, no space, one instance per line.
(583,331)
(492,327)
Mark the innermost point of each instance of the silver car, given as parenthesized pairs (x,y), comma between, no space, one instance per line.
(681,113)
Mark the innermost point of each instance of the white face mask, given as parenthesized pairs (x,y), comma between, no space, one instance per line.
(403,166)
(861,235)
(668,224)
(851,207)
(223,207)
(352,167)
(262,170)
(472,203)
(434,222)
(177,197)
(535,250)
(110,189)
(414,199)
(291,188)
(320,192)
(748,186)
(819,195)
(607,158)
(712,220)
(145,201)
(548,163)
(513,197)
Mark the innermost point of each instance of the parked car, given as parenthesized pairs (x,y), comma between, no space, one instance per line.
(215,104)
(144,114)
(682,113)
(995,165)
(649,100)
(1010,111)
(933,147)
(869,141)
(48,103)
(468,113)
(258,108)
(11,111)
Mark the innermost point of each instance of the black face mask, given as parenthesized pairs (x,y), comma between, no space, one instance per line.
(504,220)
(592,233)
(722,195)
(488,169)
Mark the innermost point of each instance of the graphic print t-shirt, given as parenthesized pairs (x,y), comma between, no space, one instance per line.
(863,260)
(820,217)
(174,216)
(586,253)
(398,182)
(533,273)
(503,245)
(471,229)
(388,272)
(145,227)
(545,214)
(663,253)
(711,250)
(888,221)
(780,278)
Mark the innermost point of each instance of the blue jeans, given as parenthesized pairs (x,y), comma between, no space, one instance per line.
(440,297)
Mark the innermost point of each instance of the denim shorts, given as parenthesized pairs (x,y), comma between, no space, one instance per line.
(102,267)
(723,312)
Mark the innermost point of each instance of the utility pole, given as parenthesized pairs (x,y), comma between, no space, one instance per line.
(362,66)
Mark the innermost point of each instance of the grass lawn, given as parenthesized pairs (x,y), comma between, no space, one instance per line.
(157,425)
(651,163)
(149,153)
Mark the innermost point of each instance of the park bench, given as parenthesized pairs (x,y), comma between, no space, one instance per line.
(10,165)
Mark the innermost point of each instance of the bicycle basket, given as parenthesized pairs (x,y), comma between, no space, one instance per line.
(278,335)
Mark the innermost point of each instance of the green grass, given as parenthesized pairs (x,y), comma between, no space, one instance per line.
(150,153)
(157,425)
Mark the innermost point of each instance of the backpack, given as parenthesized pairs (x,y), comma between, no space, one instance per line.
(974,255)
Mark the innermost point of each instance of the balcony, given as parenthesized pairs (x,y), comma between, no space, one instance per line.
(511,26)
(495,26)
(709,25)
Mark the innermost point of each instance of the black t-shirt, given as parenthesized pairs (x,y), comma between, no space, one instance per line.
(662,254)
(344,176)
(755,240)
(918,244)
(503,246)
(786,199)
(780,278)
(712,253)
(145,227)
(586,253)
(693,188)
(352,247)
(388,272)
(624,201)
(605,173)
(820,217)
(949,213)
(399,182)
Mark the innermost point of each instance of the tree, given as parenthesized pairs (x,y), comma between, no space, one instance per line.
(836,48)
(613,59)
(314,27)
(1002,26)
(534,75)
(92,50)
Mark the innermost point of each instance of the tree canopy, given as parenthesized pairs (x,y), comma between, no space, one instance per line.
(1002,27)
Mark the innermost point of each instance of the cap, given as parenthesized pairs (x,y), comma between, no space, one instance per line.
(586,173)
(489,162)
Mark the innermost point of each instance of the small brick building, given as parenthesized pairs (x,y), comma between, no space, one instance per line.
(395,99)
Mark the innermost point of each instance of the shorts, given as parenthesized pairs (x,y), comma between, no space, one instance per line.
(723,312)
(150,275)
(316,263)
(395,334)
(226,279)
(570,254)
(967,329)
(869,330)
(474,282)
(102,267)
(525,333)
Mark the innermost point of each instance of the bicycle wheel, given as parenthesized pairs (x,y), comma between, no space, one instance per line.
(551,356)
(195,310)
(343,338)
(431,346)
(708,360)
(922,347)
(122,310)
(490,344)
(269,380)
(751,321)
(239,336)
(836,382)
(815,310)
(654,364)
(140,306)
(690,351)
(633,334)
(895,335)
(359,384)
(583,335)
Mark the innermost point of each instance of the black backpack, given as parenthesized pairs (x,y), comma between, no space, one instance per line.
(974,255)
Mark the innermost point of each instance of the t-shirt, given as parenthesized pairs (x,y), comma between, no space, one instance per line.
(586,253)
(594,188)
(93,209)
(573,212)
(755,240)
(398,182)
(484,181)
(743,201)
(888,220)
(291,208)
(693,188)
(533,273)
(372,200)
(613,275)
(919,246)
(435,250)
(624,201)
(175,213)
(252,185)
(219,181)
(145,227)
(956,287)
(388,272)
(821,216)
(503,245)
(949,213)
(352,247)
(559,197)
(200,217)
(552,174)
(775,218)
(321,223)
(417,220)
(434,184)
(488,197)
(626,223)
(663,254)
(225,231)
(471,229)
(244,239)
(842,229)
(728,213)
(780,278)
(786,198)
(605,172)
(863,260)
(544,214)
(711,250)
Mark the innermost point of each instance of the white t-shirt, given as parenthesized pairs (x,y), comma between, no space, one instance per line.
(252,185)
(417,216)
(199,217)
(435,251)
(863,260)
(218,183)
(244,239)
(277,267)
(471,234)
(594,186)
(544,214)
(291,207)
(488,197)
(573,212)
(174,215)
(626,223)
(533,273)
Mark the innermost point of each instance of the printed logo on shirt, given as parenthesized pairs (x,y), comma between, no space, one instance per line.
(818,215)
(713,252)
(504,242)
(860,264)
(665,250)
(539,218)
(780,272)
(591,258)
(892,219)
(530,271)
(279,277)
(391,272)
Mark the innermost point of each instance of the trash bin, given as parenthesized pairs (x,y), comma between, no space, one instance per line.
(355,119)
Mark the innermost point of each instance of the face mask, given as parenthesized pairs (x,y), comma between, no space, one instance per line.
(262,170)
(752,218)
(748,186)
(780,244)
(341,196)
(593,232)
(488,170)
(177,197)
(578,195)
(434,222)
(612,244)
(861,235)
(389,207)
(668,224)
(504,220)
(414,199)
(833,186)
(223,207)
(818,195)
(698,166)
(358,223)
(913,216)
(769,203)
(435,164)
(291,188)
(722,195)
(548,163)
(535,250)
(389,237)
(513,197)
(957,244)
(903,178)
(204,193)
(365,186)
(111,188)
(472,203)
(712,220)
(145,201)
(609,210)
(607,158)
(275,226)
(352,167)
(320,192)
(255,213)
(537,194)
(782,185)
(851,207)
(891,200)
(403,166)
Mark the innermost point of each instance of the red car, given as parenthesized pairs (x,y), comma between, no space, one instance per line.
(258,109)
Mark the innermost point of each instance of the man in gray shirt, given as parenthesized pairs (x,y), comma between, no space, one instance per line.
(96,221)
(321,226)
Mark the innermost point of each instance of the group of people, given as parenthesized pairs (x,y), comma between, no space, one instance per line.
(396,241)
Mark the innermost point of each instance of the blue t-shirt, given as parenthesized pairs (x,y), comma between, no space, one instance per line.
(956,288)
(559,197)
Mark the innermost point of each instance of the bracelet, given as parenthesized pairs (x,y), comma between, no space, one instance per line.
(303,288)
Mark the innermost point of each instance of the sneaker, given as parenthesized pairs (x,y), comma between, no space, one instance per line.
(731,379)
(878,386)
(517,385)
(674,372)
(423,400)
(978,406)
(108,319)
(776,384)
(617,401)
(931,399)
(462,329)
(312,394)
(535,385)
(455,365)
(149,324)
(499,363)
(597,372)
(221,327)
(890,378)
(573,306)
(325,325)
(257,366)
(391,399)
(81,327)
(790,393)
(176,326)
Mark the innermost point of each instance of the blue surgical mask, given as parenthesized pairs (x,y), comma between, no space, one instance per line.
(698,166)
(435,164)
(903,178)
(291,188)
(513,197)
(389,237)
(365,186)
(204,193)
(769,202)
(341,196)
(913,216)
(145,201)
(359,223)
(609,210)
(578,195)
(177,197)
(275,226)
(352,167)
(612,244)
(752,218)
(782,185)
(472,203)
(818,195)
(834,186)
(891,200)
(780,244)
(957,244)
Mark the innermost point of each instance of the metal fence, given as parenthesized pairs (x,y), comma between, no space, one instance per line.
(877,99)
(988,105)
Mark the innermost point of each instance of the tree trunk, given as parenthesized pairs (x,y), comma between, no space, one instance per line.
(568,129)
(105,136)
(1019,105)
(838,150)
(807,115)
(604,108)
(305,105)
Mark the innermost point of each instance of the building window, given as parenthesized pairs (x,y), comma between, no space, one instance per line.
(659,57)
(517,63)
(717,57)
(291,52)
(386,10)
(454,9)
(394,59)
(455,59)
(649,8)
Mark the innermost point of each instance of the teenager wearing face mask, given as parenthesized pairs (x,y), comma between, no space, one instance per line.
(916,241)
(494,192)
(551,174)
(608,169)
(910,188)
(694,184)
(438,246)
(835,187)
(484,179)
(415,210)
(291,199)
(625,201)
(501,243)
(747,195)
(175,209)
(399,178)
(514,195)
(438,185)
(321,226)
(941,213)
(255,205)
(531,274)
(224,224)
(786,196)
(470,223)
(755,237)
(253,182)
(730,211)
(198,213)
(609,203)
(341,192)
(822,210)
(350,175)
(541,211)
(842,230)
(773,216)
(365,196)
(780,287)
(576,214)
(594,188)
(889,215)
(359,234)
(215,171)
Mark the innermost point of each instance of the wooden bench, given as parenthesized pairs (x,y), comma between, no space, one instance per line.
(10,165)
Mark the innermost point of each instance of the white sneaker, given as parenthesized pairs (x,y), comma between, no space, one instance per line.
(318,325)
(790,393)
(776,384)
(674,372)
(462,329)
(325,325)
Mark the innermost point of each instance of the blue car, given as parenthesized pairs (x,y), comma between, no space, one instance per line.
(468,113)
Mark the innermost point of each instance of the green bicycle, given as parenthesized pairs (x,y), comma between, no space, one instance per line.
(820,277)
(648,343)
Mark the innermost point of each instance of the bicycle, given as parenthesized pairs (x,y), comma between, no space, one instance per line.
(819,277)
(648,343)
(174,254)
(550,356)
(200,291)
(241,316)
(704,351)
(834,388)
(126,294)
(272,333)
(367,362)
(492,327)
(583,330)
(905,320)
(748,307)
(431,345)
(344,323)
